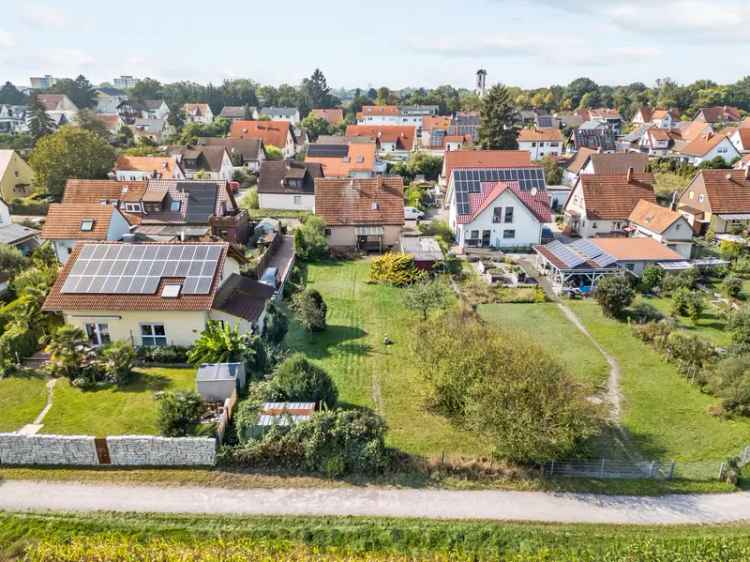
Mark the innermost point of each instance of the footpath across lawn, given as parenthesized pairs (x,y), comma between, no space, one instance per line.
(546,324)
(666,415)
(22,397)
(368,373)
(126,410)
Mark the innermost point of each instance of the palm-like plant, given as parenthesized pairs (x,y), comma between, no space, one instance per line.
(68,349)
(220,344)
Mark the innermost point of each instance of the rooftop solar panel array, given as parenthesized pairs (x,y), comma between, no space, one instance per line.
(570,258)
(579,252)
(137,269)
(328,150)
(471,180)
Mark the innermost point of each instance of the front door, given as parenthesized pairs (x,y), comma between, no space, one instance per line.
(98,333)
(486,238)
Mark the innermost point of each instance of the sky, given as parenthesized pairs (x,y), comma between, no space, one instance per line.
(527,43)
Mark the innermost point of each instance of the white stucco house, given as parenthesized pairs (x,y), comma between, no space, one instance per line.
(198,113)
(502,215)
(600,205)
(541,142)
(69,223)
(288,184)
(707,147)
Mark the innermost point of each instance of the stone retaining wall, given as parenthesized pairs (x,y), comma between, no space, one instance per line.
(18,449)
(132,450)
(47,450)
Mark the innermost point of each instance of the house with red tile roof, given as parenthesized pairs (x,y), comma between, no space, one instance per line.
(198,113)
(541,142)
(153,295)
(719,115)
(717,199)
(662,224)
(502,215)
(658,142)
(273,133)
(334,116)
(709,146)
(69,223)
(361,213)
(140,168)
(741,140)
(396,140)
(601,204)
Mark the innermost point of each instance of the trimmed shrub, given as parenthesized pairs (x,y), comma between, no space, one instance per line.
(311,310)
(167,355)
(276,325)
(651,278)
(731,286)
(395,269)
(116,361)
(298,380)
(643,313)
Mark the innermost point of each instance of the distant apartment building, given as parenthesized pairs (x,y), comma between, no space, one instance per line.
(125,82)
(42,82)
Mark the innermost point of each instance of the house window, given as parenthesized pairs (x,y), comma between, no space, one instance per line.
(175,206)
(692,195)
(677,227)
(87,225)
(509,234)
(701,197)
(497,215)
(593,225)
(474,234)
(508,215)
(630,266)
(327,231)
(153,335)
(133,207)
(298,200)
(98,334)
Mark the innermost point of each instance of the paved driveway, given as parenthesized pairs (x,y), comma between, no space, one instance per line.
(433,504)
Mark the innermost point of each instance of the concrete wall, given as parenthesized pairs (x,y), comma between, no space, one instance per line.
(161,451)
(47,450)
(17,449)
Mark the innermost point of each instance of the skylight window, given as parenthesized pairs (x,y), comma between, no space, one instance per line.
(87,225)
(171,291)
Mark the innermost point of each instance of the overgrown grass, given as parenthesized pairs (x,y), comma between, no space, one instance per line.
(127,410)
(667,183)
(711,325)
(546,324)
(665,414)
(76,537)
(369,374)
(277,213)
(22,397)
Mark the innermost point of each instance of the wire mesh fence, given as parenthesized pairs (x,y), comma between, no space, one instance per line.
(610,468)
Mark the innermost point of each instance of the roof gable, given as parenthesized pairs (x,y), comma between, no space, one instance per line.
(614,197)
(350,202)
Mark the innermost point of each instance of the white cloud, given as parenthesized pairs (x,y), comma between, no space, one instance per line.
(44,15)
(7,40)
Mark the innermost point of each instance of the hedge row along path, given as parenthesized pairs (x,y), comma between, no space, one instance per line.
(18,495)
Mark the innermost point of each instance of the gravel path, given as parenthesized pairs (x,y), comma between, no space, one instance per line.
(433,504)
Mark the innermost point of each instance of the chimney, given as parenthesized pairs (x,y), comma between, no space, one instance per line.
(630,175)
(728,176)
(747,173)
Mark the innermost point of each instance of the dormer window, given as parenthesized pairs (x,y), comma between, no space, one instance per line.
(175,206)
(87,225)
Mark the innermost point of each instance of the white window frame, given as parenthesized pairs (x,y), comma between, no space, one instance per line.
(97,333)
(154,339)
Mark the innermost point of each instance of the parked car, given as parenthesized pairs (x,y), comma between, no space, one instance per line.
(412,214)
(270,277)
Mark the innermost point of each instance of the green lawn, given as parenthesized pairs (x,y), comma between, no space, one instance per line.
(368,373)
(545,323)
(127,410)
(22,397)
(711,324)
(666,416)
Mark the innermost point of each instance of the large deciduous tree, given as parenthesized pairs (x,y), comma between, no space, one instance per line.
(499,121)
(11,95)
(71,152)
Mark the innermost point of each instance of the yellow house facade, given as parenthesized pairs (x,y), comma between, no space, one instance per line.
(16,176)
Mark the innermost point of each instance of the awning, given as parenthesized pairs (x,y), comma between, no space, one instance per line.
(370,230)
(736,217)
(675,265)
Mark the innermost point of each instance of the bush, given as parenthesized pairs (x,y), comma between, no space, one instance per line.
(395,269)
(504,387)
(333,443)
(440,230)
(691,354)
(654,333)
(11,259)
(651,278)
(739,327)
(17,342)
(311,310)
(167,355)
(730,250)
(686,279)
(688,303)
(250,200)
(643,313)
(730,381)
(426,296)
(614,294)
(68,348)
(310,241)
(298,380)
(221,344)
(117,361)
(731,286)
(179,413)
(276,325)
(742,266)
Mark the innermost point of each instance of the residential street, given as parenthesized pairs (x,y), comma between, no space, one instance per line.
(501,506)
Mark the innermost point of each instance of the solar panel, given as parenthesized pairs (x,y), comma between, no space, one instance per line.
(139,269)
(605,260)
(470,181)
(587,248)
(565,254)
